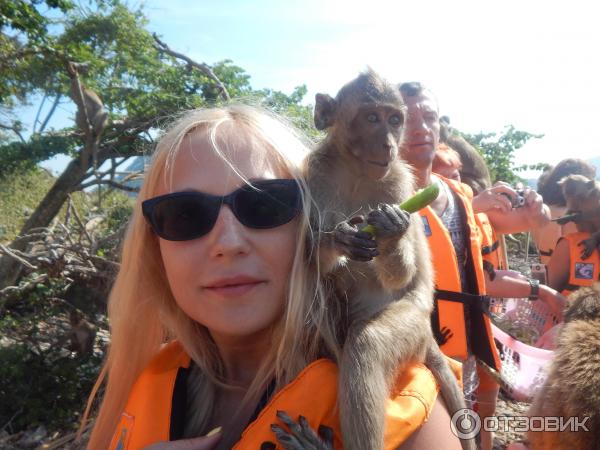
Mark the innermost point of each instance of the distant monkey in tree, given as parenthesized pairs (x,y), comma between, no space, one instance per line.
(91,116)
(474,171)
(385,285)
(572,388)
(82,334)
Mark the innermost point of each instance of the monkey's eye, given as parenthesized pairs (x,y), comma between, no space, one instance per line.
(395,120)
(372,118)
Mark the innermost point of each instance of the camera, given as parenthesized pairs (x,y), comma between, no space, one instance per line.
(517,202)
(538,272)
(520,200)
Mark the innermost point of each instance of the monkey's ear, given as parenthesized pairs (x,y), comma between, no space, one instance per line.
(325,108)
(593,189)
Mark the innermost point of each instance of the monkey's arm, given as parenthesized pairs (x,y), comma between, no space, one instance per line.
(589,245)
(397,262)
(343,240)
(300,435)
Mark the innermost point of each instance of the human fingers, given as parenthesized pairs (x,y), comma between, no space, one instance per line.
(504,189)
(532,197)
(503,203)
(207,442)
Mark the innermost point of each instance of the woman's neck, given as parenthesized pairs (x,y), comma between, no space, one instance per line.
(242,356)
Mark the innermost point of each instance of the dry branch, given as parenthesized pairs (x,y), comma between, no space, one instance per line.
(204,68)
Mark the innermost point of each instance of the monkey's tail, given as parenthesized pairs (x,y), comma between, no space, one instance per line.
(451,392)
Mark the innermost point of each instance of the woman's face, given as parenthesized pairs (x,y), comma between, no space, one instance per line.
(232,280)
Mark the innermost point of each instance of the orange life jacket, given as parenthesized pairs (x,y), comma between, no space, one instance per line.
(451,302)
(581,272)
(313,394)
(490,242)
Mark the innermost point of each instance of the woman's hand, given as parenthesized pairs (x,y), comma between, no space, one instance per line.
(497,197)
(200,443)
(554,299)
(538,214)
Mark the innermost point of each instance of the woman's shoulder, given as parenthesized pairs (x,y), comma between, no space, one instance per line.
(170,356)
(313,394)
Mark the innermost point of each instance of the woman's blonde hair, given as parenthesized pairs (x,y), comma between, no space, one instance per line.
(143,314)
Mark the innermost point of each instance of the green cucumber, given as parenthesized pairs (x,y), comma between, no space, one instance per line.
(417,202)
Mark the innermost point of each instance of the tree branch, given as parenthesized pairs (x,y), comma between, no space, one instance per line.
(204,68)
(111,183)
(50,113)
(17,255)
(15,128)
(39,111)
(77,94)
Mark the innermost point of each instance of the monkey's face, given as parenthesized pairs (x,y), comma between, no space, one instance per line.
(422,131)
(582,195)
(374,134)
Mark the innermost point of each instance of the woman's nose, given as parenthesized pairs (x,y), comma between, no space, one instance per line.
(228,237)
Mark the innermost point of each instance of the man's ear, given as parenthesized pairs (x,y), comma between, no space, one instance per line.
(325,108)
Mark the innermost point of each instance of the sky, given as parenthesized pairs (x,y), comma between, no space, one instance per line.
(533,64)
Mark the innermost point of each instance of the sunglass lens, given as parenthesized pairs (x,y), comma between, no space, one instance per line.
(268,204)
(183,218)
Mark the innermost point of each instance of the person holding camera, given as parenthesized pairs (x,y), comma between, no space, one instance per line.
(497,210)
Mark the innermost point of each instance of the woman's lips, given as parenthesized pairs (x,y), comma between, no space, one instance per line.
(234,289)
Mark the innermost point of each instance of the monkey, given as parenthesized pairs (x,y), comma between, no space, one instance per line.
(82,334)
(474,171)
(572,388)
(384,284)
(582,196)
(91,116)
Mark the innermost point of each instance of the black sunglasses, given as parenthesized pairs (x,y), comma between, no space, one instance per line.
(182,216)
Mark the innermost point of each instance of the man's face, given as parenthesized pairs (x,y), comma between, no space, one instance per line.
(421,131)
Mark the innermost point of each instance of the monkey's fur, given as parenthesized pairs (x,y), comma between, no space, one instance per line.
(82,334)
(572,388)
(91,117)
(388,300)
(474,171)
(583,196)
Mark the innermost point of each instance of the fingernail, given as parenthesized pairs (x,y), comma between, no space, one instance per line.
(213,431)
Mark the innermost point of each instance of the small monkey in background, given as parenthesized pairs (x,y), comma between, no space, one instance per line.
(82,334)
(583,198)
(385,285)
(572,389)
(91,117)
(474,171)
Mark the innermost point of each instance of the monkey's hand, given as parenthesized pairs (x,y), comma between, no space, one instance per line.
(352,243)
(589,245)
(442,336)
(389,220)
(301,436)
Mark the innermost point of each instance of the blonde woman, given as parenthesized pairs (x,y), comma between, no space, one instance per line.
(217,322)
